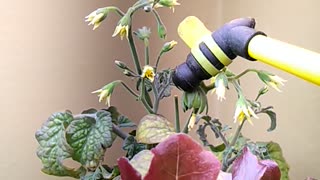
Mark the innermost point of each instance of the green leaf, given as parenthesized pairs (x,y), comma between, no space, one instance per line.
(132,146)
(96,175)
(273,119)
(153,129)
(275,153)
(124,121)
(89,137)
(54,147)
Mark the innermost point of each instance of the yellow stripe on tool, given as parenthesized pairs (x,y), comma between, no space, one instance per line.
(216,50)
(203,62)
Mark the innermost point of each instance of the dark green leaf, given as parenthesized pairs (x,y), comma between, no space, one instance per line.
(218,148)
(132,146)
(124,121)
(54,147)
(89,111)
(89,137)
(273,119)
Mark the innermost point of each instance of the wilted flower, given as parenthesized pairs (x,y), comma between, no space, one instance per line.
(106,91)
(192,121)
(143,33)
(123,27)
(148,72)
(167,3)
(221,83)
(243,111)
(96,17)
(168,46)
(271,80)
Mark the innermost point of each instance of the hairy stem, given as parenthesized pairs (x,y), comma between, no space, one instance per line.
(177,118)
(143,99)
(157,62)
(118,132)
(117,10)
(185,128)
(243,73)
(129,89)
(236,135)
(134,52)
(146,56)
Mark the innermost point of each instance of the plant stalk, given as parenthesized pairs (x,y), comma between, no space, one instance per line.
(177,118)
(134,52)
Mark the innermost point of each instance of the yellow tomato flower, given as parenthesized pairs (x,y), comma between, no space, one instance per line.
(96,17)
(122,30)
(148,72)
(106,91)
(243,111)
(271,80)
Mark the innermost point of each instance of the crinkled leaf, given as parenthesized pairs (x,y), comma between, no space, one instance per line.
(124,121)
(132,146)
(96,175)
(247,166)
(180,157)
(273,119)
(162,83)
(54,147)
(89,137)
(153,129)
(275,153)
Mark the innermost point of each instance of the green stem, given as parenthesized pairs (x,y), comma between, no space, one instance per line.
(129,89)
(207,88)
(236,135)
(157,16)
(134,52)
(146,42)
(143,99)
(185,128)
(155,97)
(157,62)
(117,10)
(243,73)
(177,118)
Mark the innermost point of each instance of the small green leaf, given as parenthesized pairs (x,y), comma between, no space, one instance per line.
(124,121)
(153,129)
(96,175)
(54,147)
(218,148)
(89,111)
(132,146)
(273,119)
(89,137)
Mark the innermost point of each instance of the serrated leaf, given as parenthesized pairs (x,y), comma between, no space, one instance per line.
(180,157)
(124,121)
(275,153)
(273,118)
(89,137)
(54,147)
(132,146)
(153,129)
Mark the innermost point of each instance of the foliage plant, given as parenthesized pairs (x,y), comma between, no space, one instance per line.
(157,149)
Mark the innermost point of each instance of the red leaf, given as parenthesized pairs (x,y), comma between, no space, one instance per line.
(127,171)
(247,166)
(181,158)
(272,171)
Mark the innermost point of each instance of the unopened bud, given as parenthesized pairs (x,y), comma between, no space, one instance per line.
(121,64)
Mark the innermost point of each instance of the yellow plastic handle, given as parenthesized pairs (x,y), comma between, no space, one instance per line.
(292,59)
